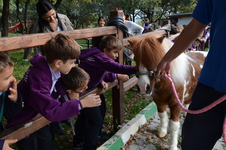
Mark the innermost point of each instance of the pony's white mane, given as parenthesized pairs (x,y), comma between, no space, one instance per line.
(179,67)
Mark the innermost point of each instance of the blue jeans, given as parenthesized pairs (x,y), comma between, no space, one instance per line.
(201,131)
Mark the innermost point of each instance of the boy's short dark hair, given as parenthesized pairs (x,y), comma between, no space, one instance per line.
(61,47)
(75,79)
(5,61)
(110,42)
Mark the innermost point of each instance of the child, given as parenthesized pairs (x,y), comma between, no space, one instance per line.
(43,93)
(101,66)
(10,99)
(76,82)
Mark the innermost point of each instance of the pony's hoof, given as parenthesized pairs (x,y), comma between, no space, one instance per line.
(161,134)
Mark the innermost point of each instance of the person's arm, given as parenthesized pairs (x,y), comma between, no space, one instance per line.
(107,64)
(109,77)
(186,38)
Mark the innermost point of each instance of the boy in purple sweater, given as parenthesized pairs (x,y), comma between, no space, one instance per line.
(101,66)
(10,99)
(43,92)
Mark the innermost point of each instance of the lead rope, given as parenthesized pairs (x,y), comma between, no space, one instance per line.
(221,99)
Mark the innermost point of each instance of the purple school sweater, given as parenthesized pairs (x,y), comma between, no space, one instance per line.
(97,64)
(35,88)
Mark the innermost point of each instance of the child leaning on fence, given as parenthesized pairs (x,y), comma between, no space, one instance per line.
(101,66)
(42,91)
(10,99)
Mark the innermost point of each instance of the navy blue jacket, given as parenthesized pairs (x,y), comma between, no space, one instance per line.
(11,110)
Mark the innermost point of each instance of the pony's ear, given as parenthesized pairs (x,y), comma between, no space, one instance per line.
(160,39)
(133,42)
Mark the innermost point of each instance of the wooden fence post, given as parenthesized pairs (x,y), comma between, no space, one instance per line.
(118,91)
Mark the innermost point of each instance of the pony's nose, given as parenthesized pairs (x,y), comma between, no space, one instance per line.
(148,89)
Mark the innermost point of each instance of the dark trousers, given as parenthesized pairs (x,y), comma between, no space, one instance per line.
(89,124)
(39,140)
(201,131)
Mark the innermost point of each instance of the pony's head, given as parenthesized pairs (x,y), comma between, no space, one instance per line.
(148,52)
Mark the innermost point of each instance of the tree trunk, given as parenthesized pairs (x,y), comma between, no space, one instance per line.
(57,4)
(18,15)
(25,16)
(133,15)
(5,17)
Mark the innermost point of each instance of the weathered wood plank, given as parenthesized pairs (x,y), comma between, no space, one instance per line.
(130,83)
(26,128)
(33,40)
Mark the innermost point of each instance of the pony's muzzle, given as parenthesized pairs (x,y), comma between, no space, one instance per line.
(145,90)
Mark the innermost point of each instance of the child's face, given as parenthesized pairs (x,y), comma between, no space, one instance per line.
(66,67)
(6,77)
(113,54)
(82,89)
(101,23)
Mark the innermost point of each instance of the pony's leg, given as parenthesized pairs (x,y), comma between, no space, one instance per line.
(163,124)
(163,119)
(174,125)
(174,128)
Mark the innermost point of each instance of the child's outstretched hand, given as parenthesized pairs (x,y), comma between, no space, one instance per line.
(7,143)
(13,91)
(123,77)
(104,85)
(91,100)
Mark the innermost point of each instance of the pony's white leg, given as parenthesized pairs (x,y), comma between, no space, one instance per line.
(174,128)
(184,112)
(163,124)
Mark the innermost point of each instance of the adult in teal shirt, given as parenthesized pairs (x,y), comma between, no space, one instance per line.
(201,132)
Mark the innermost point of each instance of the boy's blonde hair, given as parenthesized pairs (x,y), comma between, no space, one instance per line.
(5,61)
(61,47)
(75,79)
(110,42)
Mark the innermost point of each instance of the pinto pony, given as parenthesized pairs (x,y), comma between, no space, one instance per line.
(185,69)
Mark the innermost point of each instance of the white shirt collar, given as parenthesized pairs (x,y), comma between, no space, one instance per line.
(55,77)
